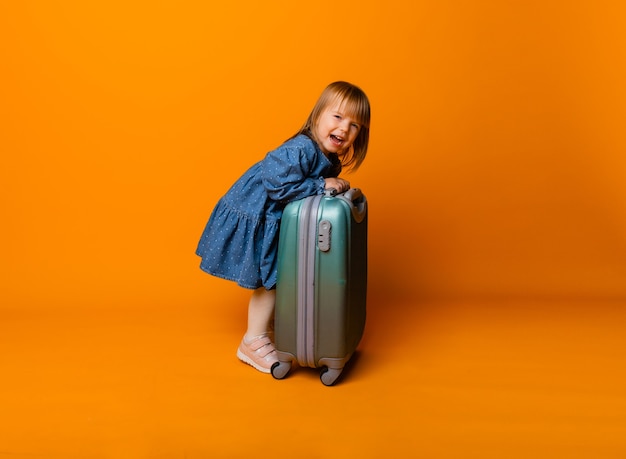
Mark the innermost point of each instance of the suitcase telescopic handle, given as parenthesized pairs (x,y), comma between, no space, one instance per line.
(351,195)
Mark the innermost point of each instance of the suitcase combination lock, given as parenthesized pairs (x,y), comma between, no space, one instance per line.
(323,236)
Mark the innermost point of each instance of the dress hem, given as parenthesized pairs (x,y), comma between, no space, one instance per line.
(229,278)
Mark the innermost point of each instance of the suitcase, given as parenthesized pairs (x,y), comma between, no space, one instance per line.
(322,283)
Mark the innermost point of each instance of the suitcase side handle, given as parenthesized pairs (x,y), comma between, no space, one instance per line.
(355,198)
(353,194)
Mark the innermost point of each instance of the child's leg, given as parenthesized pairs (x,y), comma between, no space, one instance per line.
(256,348)
(260,312)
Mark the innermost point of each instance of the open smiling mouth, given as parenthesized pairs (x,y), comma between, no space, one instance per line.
(336,140)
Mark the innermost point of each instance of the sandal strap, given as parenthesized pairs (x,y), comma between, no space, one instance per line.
(262,346)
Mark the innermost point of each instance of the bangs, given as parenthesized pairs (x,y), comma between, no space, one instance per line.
(355,106)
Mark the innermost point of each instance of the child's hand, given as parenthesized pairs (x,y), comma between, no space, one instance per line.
(337,183)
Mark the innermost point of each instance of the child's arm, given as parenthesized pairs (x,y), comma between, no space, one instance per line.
(290,173)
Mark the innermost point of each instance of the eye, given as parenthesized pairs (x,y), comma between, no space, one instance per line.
(337,116)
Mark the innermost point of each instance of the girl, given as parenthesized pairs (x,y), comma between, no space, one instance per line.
(240,240)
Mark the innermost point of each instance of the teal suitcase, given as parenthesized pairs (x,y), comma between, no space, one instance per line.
(322,283)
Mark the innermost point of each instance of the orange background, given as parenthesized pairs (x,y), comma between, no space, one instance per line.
(496,179)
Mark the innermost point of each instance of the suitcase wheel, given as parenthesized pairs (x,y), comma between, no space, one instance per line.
(280,369)
(329,376)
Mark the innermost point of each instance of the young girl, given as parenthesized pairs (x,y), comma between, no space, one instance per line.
(240,240)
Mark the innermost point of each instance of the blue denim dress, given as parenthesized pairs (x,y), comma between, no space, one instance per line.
(240,240)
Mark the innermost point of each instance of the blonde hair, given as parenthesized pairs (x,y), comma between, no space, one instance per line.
(357,106)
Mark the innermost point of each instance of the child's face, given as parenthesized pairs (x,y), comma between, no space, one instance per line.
(335,131)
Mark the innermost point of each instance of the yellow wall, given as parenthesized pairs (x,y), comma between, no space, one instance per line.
(496,165)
